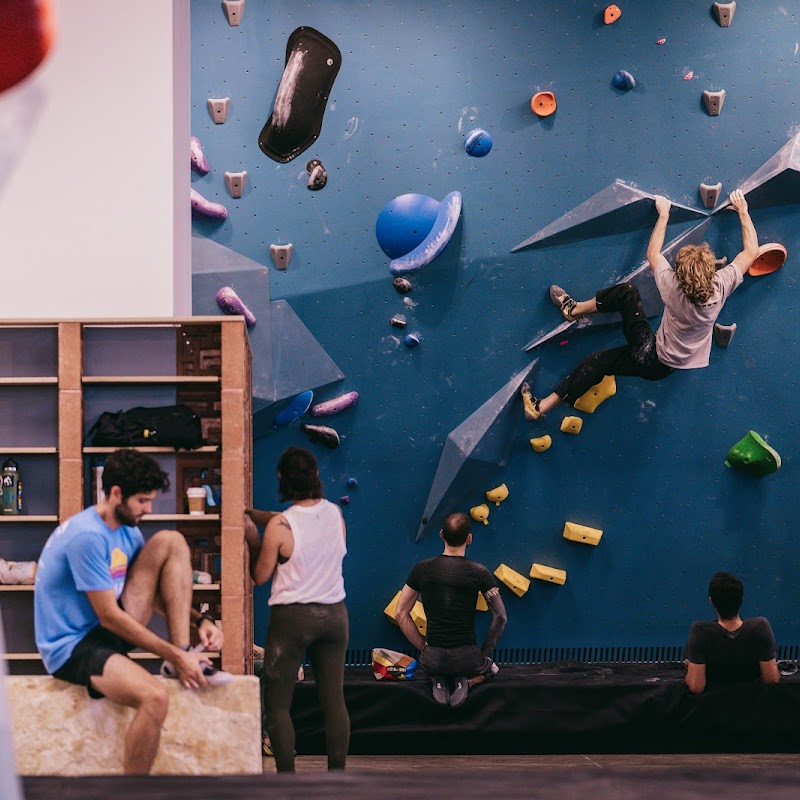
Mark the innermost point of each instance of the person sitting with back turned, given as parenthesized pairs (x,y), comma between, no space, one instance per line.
(97,585)
(449,585)
(729,649)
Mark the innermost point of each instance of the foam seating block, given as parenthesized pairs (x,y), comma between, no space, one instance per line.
(391,609)
(481,605)
(419,618)
(582,533)
(571,425)
(518,584)
(549,574)
(589,401)
(59,730)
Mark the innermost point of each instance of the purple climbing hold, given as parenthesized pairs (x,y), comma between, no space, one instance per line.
(206,208)
(230,303)
(344,499)
(336,404)
(198,160)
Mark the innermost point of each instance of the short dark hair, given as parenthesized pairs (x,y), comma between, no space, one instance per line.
(133,472)
(726,593)
(455,528)
(298,475)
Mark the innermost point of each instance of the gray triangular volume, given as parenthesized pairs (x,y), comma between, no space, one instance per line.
(474,451)
(777,182)
(643,278)
(619,208)
(208,256)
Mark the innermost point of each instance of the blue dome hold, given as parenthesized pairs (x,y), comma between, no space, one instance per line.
(405,222)
(478,142)
(623,80)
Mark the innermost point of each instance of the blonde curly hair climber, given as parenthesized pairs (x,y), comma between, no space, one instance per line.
(695,269)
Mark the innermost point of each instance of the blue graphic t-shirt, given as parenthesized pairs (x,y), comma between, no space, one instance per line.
(82,555)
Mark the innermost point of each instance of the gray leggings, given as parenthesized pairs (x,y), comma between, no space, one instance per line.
(323,631)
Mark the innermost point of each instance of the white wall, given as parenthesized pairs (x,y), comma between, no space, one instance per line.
(95,215)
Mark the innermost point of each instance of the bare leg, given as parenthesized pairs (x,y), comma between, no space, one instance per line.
(476,680)
(125,682)
(584,307)
(549,403)
(161,579)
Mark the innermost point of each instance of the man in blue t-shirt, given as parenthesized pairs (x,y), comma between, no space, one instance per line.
(449,585)
(729,648)
(97,585)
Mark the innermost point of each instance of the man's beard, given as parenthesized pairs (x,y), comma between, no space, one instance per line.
(124,515)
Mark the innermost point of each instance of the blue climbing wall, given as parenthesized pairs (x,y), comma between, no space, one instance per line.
(648,466)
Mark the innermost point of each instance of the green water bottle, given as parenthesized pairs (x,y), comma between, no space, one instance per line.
(11,498)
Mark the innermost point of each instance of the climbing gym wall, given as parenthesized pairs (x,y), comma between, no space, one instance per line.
(450,102)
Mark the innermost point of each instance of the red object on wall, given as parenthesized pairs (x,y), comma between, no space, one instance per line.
(27,30)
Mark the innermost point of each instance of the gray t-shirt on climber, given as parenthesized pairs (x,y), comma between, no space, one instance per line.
(683,340)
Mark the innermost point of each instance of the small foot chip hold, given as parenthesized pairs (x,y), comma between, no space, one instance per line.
(218,108)
(230,303)
(582,533)
(543,104)
(714,101)
(724,13)
(480,513)
(207,208)
(518,584)
(398,321)
(549,574)
(197,158)
(724,333)
(612,14)
(709,193)
(412,340)
(317,177)
(235,182)
(402,285)
(571,425)
(752,454)
(344,499)
(281,254)
(623,80)
(498,494)
(321,434)
(589,401)
(541,443)
(234,10)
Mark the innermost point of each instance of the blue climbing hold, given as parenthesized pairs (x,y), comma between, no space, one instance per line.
(478,142)
(623,80)
(352,482)
(296,408)
(404,223)
(412,340)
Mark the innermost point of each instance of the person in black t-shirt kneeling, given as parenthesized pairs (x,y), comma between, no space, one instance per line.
(449,585)
(729,649)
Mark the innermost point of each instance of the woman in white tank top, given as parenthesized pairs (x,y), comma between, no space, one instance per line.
(302,551)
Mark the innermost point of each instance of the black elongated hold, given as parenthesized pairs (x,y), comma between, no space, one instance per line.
(402,285)
(321,434)
(317,177)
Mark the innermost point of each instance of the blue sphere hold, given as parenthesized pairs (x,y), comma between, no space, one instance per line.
(623,80)
(405,222)
(478,142)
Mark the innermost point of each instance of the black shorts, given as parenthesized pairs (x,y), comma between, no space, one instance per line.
(89,658)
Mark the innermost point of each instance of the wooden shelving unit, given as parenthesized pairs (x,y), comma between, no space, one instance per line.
(70,366)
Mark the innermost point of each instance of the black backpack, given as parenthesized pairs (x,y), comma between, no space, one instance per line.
(165,426)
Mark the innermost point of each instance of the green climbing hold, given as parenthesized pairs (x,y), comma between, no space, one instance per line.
(752,454)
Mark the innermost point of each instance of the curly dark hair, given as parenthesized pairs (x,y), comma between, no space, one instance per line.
(726,593)
(298,475)
(133,472)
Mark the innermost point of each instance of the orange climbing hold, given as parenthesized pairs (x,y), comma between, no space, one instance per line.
(612,14)
(543,104)
(770,257)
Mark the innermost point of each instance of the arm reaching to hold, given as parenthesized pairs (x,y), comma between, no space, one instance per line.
(749,252)
(499,618)
(656,242)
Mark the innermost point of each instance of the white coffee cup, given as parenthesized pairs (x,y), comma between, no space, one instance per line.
(196,495)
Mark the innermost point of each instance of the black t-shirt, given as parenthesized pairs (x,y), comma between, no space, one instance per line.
(449,587)
(731,655)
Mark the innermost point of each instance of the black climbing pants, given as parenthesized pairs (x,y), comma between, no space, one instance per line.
(323,631)
(637,358)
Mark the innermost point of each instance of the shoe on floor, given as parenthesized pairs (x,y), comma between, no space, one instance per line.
(460,692)
(530,403)
(563,302)
(214,676)
(266,747)
(441,690)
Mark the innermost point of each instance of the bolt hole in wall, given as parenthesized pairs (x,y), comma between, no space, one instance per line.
(647,467)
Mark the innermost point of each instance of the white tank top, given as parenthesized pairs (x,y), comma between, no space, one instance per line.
(313,574)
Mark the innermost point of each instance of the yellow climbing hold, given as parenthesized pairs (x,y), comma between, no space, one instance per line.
(517,583)
(582,533)
(589,401)
(391,609)
(480,513)
(571,425)
(541,443)
(481,605)
(497,495)
(549,574)
(419,618)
